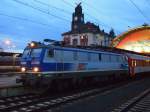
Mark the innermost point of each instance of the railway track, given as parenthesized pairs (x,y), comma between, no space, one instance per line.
(15,101)
(42,103)
(38,103)
(140,103)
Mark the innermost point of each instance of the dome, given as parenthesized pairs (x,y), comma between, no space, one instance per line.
(137,39)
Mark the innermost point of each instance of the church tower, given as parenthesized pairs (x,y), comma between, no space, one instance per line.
(85,33)
(77,19)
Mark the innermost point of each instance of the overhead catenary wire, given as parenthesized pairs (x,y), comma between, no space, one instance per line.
(42,11)
(47,12)
(23,19)
(48,5)
(70,12)
(96,10)
(66,11)
(139,10)
(27,20)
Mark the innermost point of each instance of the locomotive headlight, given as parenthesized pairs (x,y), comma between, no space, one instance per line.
(32,44)
(23,69)
(36,69)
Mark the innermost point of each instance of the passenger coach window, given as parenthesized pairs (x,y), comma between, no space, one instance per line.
(50,53)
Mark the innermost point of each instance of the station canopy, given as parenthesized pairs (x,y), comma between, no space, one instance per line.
(137,40)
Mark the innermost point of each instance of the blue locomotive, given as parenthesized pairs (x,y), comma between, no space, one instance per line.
(42,63)
(39,58)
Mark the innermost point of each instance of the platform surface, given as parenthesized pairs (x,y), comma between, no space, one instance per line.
(8,81)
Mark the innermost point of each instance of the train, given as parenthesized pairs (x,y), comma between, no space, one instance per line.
(48,65)
(9,62)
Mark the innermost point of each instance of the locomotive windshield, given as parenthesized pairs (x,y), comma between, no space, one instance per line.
(32,53)
(26,53)
(36,52)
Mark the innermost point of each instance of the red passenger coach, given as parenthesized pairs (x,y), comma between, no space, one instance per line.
(138,64)
(131,67)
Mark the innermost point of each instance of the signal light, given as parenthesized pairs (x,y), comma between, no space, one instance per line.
(32,44)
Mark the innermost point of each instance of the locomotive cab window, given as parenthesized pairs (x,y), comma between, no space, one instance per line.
(26,53)
(36,52)
(50,53)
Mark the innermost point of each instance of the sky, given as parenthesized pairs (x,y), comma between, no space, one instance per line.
(23,21)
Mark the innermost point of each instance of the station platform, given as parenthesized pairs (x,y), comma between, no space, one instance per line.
(9,87)
(8,81)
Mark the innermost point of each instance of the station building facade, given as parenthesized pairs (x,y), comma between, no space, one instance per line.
(86,33)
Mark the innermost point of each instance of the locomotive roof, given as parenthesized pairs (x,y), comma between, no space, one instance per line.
(91,48)
(77,49)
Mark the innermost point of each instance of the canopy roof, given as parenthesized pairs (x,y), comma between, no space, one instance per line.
(137,39)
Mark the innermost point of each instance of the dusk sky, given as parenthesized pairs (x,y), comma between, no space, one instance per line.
(22,21)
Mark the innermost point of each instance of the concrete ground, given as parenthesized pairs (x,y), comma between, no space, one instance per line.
(107,101)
